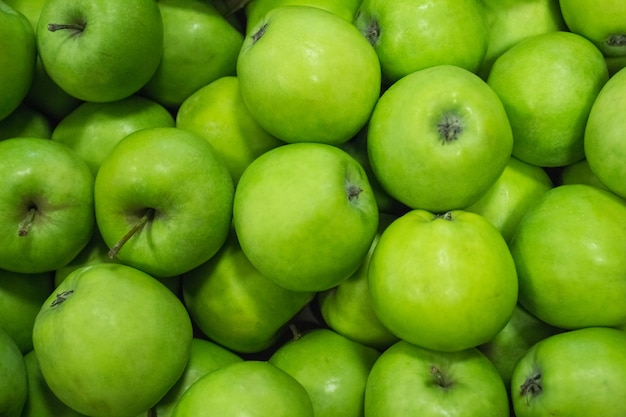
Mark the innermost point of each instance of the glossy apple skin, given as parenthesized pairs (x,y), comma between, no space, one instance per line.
(25,121)
(404,382)
(13,378)
(443,282)
(576,373)
(568,250)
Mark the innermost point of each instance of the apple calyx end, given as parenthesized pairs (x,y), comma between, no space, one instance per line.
(27,223)
(61,297)
(259,33)
(531,387)
(139,224)
(444,216)
(371,30)
(616,40)
(449,128)
(353,191)
(78,27)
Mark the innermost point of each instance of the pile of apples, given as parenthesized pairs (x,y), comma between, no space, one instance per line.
(329,208)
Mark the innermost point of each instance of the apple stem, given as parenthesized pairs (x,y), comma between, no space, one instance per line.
(294,331)
(27,223)
(53,27)
(149,214)
(438,376)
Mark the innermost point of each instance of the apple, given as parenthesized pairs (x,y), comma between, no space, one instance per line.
(605,149)
(18,55)
(21,297)
(305,215)
(445,282)
(332,368)
(46,205)
(505,202)
(25,121)
(615,63)
(93,129)
(122,337)
(235,305)
(217,113)
(199,46)
(568,250)
(163,201)
(250,387)
(438,139)
(409,380)
(100,50)
(579,172)
(13,379)
(413,35)
(548,84)
(307,75)
(576,373)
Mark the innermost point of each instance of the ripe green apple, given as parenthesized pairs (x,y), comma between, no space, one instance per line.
(439,138)
(235,305)
(21,297)
(18,56)
(163,200)
(412,35)
(332,368)
(308,75)
(13,379)
(46,205)
(217,113)
(100,50)
(569,253)
(25,121)
(122,337)
(576,373)
(408,380)
(199,46)
(305,215)
(517,189)
(604,143)
(444,282)
(548,84)
(93,129)
(248,388)
(579,172)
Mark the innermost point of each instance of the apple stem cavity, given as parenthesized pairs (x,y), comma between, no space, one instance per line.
(61,297)
(78,27)
(439,378)
(531,387)
(28,221)
(141,222)
(449,128)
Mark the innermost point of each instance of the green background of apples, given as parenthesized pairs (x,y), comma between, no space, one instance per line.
(312,208)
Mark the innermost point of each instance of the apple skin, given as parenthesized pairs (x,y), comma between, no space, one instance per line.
(444,282)
(113,53)
(307,75)
(123,339)
(568,250)
(186,184)
(579,172)
(25,121)
(409,380)
(52,186)
(575,373)
(256,10)
(305,215)
(190,26)
(547,85)
(332,368)
(13,378)
(438,138)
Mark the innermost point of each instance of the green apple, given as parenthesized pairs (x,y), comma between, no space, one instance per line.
(347,308)
(21,297)
(576,373)
(100,50)
(408,380)
(122,337)
(25,121)
(548,84)
(518,188)
(605,149)
(18,56)
(305,215)
(13,379)
(438,139)
(217,113)
(615,63)
(190,26)
(579,172)
(46,205)
(307,75)
(249,388)
(444,282)
(568,250)
(599,21)
(163,200)
(205,356)
(235,305)
(332,368)
(93,129)
(412,35)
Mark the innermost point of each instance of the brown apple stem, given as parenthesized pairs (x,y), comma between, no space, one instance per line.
(27,223)
(148,215)
(295,332)
(53,27)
